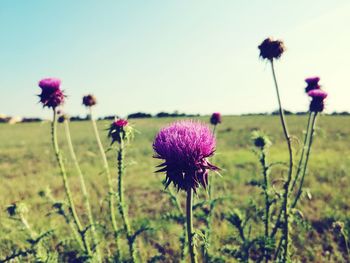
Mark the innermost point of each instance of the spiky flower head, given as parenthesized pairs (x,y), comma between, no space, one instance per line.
(185,146)
(318,97)
(89,100)
(51,95)
(312,83)
(215,118)
(271,49)
(120,130)
(260,140)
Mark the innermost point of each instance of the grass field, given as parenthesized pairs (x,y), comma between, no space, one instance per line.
(28,166)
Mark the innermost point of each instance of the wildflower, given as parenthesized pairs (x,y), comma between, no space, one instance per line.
(271,49)
(51,94)
(89,100)
(312,83)
(215,118)
(318,96)
(260,140)
(185,146)
(120,130)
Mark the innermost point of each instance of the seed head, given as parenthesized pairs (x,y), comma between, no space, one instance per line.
(185,146)
(312,83)
(318,97)
(215,118)
(271,49)
(89,100)
(120,130)
(51,95)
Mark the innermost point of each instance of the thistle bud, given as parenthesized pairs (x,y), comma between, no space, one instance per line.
(51,95)
(312,83)
(215,118)
(260,140)
(120,130)
(17,209)
(89,100)
(271,49)
(317,103)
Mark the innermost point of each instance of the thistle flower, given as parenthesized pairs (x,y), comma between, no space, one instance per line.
(51,94)
(260,140)
(271,49)
(185,146)
(312,83)
(317,103)
(89,100)
(120,130)
(215,118)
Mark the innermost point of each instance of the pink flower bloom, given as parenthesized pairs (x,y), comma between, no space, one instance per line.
(51,94)
(317,103)
(117,130)
(185,146)
(215,118)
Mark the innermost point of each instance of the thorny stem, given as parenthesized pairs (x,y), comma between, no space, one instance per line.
(302,152)
(176,202)
(285,207)
(346,243)
(66,184)
(210,213)
(190,232)
(83,188)
(267,199)
(109,181)
(306,160)
(122,206)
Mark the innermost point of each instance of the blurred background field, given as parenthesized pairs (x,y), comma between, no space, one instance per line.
(28,166)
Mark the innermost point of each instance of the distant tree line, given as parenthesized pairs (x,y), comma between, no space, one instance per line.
(142,115)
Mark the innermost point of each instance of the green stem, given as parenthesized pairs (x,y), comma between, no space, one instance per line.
(111,193)
(313,122)
(267,199)
(290,170)
(122,206)
(302,152)
(210,213)
(66,184)
(83,187)
(346,243)
(190,231)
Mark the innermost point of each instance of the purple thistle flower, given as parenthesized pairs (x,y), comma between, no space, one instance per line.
(117,130)
(185,146)
(318,96)
(215,118)
(89,100)
(51,94)
(271,49)
(312,83)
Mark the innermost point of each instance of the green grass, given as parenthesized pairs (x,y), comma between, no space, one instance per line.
(27,166)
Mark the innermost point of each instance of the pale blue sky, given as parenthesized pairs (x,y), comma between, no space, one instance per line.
(192,56)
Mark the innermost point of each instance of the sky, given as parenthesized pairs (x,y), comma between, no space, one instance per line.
(186,55)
